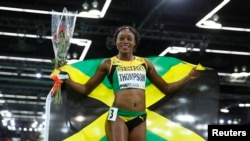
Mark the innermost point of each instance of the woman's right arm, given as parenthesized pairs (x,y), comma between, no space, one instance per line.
(93,82)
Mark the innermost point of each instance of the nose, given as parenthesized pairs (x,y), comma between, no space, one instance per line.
(125,40)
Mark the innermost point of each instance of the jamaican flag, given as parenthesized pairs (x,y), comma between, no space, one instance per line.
(180,116)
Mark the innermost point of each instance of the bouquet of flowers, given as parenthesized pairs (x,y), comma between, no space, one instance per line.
(62,28)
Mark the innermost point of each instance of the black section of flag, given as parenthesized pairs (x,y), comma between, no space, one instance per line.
(73,104)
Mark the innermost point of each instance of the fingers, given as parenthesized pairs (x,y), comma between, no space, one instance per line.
(63,75)
(195,73)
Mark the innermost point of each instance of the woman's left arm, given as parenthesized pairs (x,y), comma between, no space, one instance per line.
(165,87)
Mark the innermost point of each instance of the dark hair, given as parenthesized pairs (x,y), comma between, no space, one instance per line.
(132,29)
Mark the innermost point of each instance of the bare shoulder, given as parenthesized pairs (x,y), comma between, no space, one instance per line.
(146,60)
(105,64)
(149,64)
(106,61)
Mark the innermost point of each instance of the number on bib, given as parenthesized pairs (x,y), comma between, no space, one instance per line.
(112,113)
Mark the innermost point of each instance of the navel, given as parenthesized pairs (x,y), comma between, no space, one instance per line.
(135,104)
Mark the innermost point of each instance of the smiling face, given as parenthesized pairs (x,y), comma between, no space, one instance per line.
(125,41)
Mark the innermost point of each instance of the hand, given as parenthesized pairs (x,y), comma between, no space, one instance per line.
(194,73)
(63,75)
(60,77)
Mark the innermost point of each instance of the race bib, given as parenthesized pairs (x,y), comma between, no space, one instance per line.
(112,114)
(131,79)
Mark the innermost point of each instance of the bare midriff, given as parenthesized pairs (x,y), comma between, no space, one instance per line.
(130,100)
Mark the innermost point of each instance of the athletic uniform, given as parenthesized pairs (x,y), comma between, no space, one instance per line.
(127,75)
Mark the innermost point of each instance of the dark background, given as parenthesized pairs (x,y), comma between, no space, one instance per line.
(161,23)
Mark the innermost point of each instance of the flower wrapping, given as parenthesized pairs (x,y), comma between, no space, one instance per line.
(62,29)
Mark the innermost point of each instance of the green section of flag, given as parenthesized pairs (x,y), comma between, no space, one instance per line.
(163,64)
(89,67)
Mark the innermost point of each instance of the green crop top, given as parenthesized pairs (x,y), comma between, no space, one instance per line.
(127,74)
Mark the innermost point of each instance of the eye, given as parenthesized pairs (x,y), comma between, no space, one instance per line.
(121,38)
(130,38)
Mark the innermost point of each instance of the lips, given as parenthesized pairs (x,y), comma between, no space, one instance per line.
(125,47)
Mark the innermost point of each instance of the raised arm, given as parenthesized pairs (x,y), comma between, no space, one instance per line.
(165,87)
(93,82)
